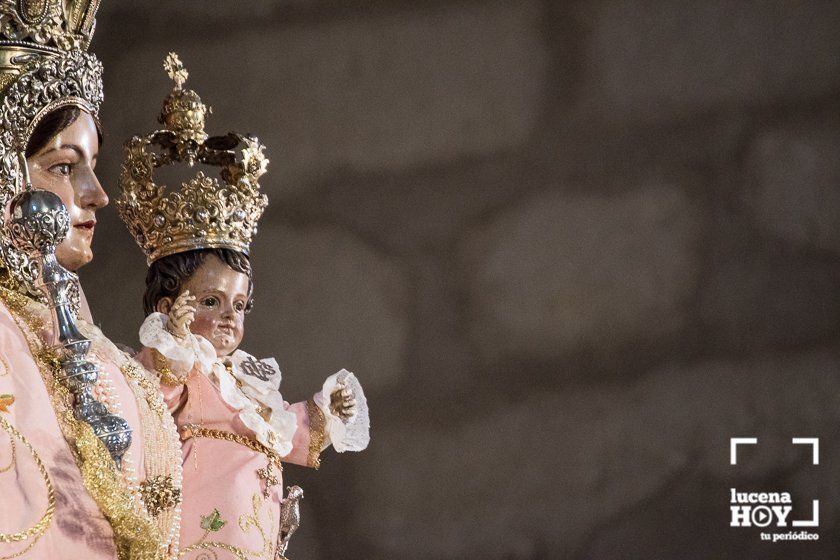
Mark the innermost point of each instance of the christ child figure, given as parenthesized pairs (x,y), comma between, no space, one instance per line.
(236,428)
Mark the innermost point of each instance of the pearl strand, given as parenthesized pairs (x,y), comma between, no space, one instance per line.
(107,395)
(169,441)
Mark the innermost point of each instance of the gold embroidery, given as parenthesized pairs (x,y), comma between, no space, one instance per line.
(240,553)
(246,522)
(41,526)
(149,388)
(266,474)
(13,454)
(162,445)
(317,424)
(136,535)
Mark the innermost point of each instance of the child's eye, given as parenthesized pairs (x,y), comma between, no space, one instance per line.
(210,302)
(239,306)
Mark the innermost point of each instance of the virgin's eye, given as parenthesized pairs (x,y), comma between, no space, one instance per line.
(210,302)
(61,169)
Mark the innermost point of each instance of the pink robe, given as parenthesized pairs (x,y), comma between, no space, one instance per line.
(77,528)
(222,476)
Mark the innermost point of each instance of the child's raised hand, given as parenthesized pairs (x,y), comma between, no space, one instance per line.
(181,315)
(343,402)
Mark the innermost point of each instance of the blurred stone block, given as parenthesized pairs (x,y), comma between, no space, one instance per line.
(794,188)
(554,474)
(385,91)
(759,295)
(662,59)
(528,480)
(325,300)
(562,272)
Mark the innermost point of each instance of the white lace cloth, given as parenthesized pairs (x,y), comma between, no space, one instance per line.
(251,385)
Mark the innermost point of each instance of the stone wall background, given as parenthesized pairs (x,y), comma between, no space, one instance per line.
(571,248)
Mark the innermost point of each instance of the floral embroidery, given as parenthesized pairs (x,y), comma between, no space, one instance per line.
(247,522)
(6,400)
(212,521)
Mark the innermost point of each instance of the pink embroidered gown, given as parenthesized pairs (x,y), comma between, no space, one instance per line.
(30,437)
(228,507)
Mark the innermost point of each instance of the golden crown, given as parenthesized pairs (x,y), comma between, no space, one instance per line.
(205,213)
(59,24)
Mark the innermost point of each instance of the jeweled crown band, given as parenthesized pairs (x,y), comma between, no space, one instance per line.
(62,24)
(34,81)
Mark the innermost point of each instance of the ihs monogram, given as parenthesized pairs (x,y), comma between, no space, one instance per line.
(254,368)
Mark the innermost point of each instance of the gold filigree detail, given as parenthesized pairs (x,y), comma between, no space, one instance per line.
(36,531)
(270,480)
(205,212)
(61,24)
(6,80)
(175,69)
(317,427)
(43,67)
(132,372)
(135,534)
(159,494)
(162,447)
(166,374)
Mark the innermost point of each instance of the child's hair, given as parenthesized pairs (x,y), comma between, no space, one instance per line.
(167,275)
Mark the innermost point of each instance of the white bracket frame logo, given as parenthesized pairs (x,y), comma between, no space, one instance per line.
(815,460)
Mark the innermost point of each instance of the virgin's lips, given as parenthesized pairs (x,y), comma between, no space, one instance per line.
(88,225)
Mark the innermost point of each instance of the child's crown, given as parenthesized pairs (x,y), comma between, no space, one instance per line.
(205,213)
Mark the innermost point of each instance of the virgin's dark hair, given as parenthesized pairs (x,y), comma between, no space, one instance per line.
(167,275)
(52,124)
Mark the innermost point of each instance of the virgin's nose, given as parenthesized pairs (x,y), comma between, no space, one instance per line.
(90,192)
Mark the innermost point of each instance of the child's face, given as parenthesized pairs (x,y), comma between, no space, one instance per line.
(221,295)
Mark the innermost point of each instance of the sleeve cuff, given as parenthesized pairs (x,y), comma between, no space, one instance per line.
(316,434)
(355,435)
(180,355)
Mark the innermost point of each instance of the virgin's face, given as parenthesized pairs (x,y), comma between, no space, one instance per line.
(221,296)
(65,166)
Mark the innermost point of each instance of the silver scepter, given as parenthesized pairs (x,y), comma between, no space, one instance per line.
(39,222)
